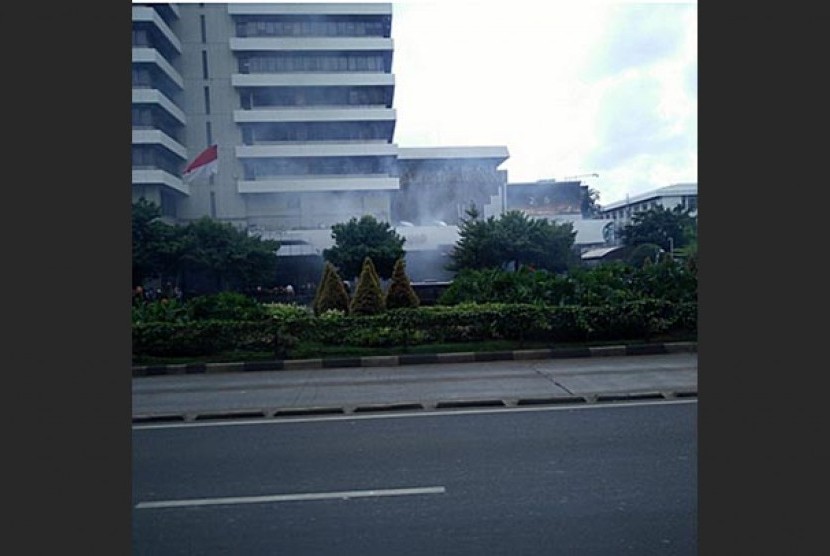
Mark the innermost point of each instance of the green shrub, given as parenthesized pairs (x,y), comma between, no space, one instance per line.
(668,280)
(368,296)
(226,306)
(204,337)
(399,294)
(291,326)
(331,293)
(162,310)
(644,254)
(501,286)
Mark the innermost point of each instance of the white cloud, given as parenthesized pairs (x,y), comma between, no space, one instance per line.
(569,87)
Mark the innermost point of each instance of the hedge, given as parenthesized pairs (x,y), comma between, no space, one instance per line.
(641,319)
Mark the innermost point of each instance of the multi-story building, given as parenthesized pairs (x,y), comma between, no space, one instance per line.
(683,195)
(299,100)
(158,120)
(565,201)
(678,195)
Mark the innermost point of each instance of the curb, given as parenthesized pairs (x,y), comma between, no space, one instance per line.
(401,407)
(414,359)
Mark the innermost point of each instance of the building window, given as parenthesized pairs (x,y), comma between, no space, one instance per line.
(204,64)
(168,205)
(247,136)
(207,100)
(141,38)
(203,28)
(142,118)
(691,204)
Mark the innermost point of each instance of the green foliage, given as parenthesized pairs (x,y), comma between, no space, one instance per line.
(331,293)
(630,320)
(519,322)
(513,239)
(221,306)
(400,294)
(476,247)
(537,242)
(691,261)
(368,295)
(660,226)
(609,284)
(230,257)
(668,280)
(499,286)
(357,239)
(281,311)
(234,258)
(156,246)
(226,306)
(643,254)
(202,337)
(163,310)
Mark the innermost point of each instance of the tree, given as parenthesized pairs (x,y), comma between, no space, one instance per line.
(643,254)
(331,293)
(536,242)
(357,239)
(228,256)
(368,295)
(400,294)
(515,240)
(668,228)
(476,246)
(157,247)
(232,257)
(590,207)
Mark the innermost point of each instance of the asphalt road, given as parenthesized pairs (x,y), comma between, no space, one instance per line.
(603,479)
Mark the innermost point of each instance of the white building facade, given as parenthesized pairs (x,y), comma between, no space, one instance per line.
(159,123)
(678,195)
(297,97)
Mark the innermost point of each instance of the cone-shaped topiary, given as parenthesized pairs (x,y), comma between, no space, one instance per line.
(323,277)
(400,293)
(331,293)
(368,295)
(372,270)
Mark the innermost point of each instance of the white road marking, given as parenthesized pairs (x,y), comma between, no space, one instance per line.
(345,495)
(417,413)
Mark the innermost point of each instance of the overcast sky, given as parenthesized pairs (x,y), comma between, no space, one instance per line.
(570,87)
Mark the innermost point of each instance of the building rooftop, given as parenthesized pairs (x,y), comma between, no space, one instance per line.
(668,191)
(599,252)
(427,153)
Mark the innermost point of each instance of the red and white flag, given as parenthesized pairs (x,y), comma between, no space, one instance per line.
(204,165)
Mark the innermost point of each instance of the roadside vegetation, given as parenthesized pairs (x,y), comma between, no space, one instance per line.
(523,297)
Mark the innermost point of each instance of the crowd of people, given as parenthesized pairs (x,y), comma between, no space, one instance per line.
(169,291)
(276,294)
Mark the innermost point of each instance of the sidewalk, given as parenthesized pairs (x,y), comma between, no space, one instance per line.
(425,382)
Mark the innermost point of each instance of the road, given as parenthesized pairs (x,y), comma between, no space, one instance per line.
(594,479)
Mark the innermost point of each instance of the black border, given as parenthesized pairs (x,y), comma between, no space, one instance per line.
(67,275)
(67,271)
(762,113)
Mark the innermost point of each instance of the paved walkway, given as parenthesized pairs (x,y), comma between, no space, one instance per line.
(528,378)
